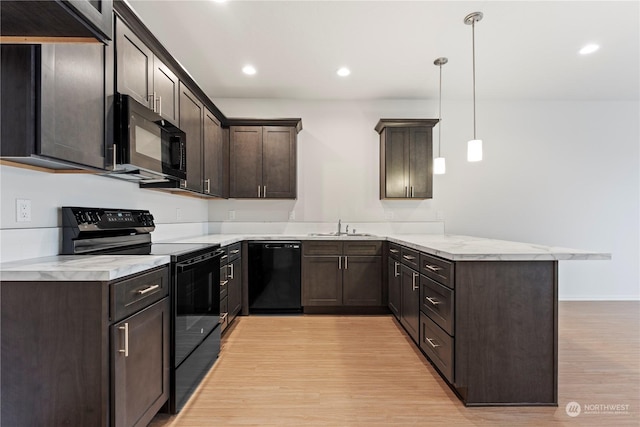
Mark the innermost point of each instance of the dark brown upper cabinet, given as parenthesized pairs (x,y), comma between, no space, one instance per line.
(262,161)
(191,122)
(216,157)
(56,21)
(406,158)
(142,75)
(53,105)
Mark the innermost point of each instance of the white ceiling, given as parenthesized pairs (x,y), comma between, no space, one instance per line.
(524,50)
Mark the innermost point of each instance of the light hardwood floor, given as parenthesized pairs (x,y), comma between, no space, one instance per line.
(365,371)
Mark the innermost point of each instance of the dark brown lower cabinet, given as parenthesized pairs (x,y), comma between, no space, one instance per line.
(140,369)
(395,287)
(84,353)
(342,273)
(235,288)
(410,301)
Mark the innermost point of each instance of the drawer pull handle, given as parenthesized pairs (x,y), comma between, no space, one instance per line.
(408,257)
(235,251)
(224,283)
(223,317)
(148,289)
(125,328)
(433,301)
(223,257)
(394,251)
(432,267)
(430,341)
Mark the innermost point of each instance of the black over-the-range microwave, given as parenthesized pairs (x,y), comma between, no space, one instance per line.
(146,146)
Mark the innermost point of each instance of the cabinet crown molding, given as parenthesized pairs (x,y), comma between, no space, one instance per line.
(384,123)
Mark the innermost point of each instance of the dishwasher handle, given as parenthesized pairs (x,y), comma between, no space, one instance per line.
(282,245)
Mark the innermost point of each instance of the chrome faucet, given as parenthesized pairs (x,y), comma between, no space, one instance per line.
(339,227)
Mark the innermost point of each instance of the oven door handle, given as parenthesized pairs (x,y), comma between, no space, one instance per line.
(181,267)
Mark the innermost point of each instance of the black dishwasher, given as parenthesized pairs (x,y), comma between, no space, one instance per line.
(274,277)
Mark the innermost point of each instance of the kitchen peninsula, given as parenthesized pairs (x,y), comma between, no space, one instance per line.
(483,311)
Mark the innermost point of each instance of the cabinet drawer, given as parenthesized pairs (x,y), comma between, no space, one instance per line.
(437,268)
(437,303)
(363,247)
(437,345)
(410,257)
(136,293)
(234,251)
(394,251)
(328,247)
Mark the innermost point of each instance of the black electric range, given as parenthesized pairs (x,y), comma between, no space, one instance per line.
(194,290)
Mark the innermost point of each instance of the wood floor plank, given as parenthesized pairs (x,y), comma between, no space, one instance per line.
(365,371)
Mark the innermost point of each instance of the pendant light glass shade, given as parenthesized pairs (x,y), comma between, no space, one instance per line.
(439,167)
(474,146)
(474,150)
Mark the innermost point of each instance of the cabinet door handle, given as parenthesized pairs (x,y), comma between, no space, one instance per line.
(223,317)
(147,289)
(412,191)
(208,185)
(431,342)
(408,257)
(258,191)
(125,328)
(160,104)
(339,263)
(231,271)
(413,284)
(115,150)
(406,191)
(432,267)
(346,263)
(264,191)
(151,101)
(432,300)
(396,273)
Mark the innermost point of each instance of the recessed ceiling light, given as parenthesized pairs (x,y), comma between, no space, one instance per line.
(343,72)
(249,70)
(590,48)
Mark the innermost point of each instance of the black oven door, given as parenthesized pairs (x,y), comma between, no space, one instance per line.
(197,302)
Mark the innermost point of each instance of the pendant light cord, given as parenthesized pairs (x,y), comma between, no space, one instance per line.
(440,113)
(473,49)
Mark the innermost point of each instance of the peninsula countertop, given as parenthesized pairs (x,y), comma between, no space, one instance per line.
(451,247)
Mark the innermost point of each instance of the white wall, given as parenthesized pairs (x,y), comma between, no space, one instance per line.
(555,173)
(49,191)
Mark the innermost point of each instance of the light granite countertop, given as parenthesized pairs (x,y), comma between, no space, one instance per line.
(79,267)
(451,247)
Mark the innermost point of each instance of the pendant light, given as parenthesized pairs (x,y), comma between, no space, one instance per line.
(439,166)
(474,147)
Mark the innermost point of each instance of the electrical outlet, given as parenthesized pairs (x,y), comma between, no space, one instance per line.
(23,210)
(232,215)
(388,215)
(292,215)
